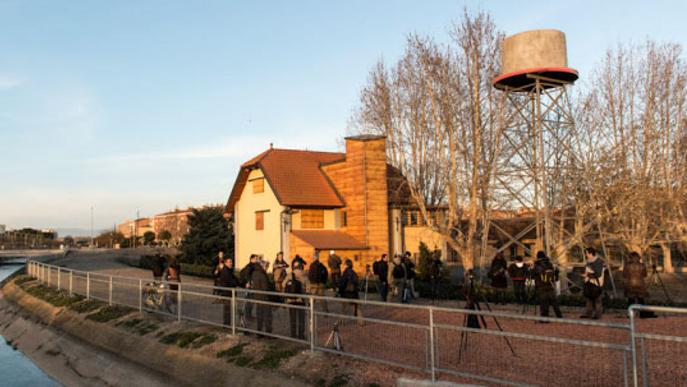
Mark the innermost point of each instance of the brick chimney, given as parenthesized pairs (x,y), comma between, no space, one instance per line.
(361,180)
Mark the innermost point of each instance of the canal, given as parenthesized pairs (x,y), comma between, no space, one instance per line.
(15,368)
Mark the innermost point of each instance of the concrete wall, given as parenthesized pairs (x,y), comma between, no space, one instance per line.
(266,242)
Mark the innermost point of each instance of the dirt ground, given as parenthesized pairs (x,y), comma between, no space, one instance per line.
(584,359)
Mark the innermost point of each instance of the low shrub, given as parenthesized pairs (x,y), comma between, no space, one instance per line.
(186,339)
(109,313)
(86,306)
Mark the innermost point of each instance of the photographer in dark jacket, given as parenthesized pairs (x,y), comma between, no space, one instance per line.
(228,280)
(518,272)
(245,280)
(260,281)
(158,266)
(294,284)
(435,273)
(317,274)
(545,277)
(348,288)
(499,280)
(381,270)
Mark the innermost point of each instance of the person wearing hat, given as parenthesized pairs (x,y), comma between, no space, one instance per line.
(334,263)
(545,277)
(317,274)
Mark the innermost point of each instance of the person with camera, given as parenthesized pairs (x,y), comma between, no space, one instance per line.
(348,288)
(260,281)
(499,281)
(294,285)
(435,273)
(381,270)
(400,278)
(593,284)
(245,279)
(317,274)
(545,277)
(227,281)
(279,271)
(518,272)
(334,263)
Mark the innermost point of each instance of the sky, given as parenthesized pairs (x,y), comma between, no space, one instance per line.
(143,106)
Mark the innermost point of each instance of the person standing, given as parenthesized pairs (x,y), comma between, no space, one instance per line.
(436,270)
(173,279)
(298,259)
(499,281)
(261,282)
(245,278)
(593,284)
(295,285)
(381,270)
(348,288)
(227,279)
(634,275)
(158,266)
(279,271)
(219,264)
(545,277)
(518,272)
(334,263)
(317,274)
(410,273)
(400,278)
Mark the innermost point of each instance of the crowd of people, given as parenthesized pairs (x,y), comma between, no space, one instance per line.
(395,281)
(541,277)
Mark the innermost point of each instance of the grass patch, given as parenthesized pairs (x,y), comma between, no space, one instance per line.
(231,353)
(185,339)
(243,361)
(339,380)
(22,279)
(321,383)
(273,358)
(109,313)
(139,326)
(52,296)
(86,306)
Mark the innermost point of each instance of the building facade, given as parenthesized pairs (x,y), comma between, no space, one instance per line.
(306,202)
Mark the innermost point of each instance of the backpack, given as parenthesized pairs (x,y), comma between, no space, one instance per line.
(548,275)
(352,283)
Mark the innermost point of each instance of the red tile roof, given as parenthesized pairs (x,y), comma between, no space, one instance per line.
(295,177)
(328,240)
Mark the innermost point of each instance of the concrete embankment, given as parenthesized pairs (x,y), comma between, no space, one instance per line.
(80,352)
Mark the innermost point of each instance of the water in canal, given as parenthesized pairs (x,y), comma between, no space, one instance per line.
(16,369)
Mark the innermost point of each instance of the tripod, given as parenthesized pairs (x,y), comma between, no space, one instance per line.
(473,320)
(655,280)
(334,339)
(365,283)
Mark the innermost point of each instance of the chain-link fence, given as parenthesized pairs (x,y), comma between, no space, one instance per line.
(659,345)
(453,344)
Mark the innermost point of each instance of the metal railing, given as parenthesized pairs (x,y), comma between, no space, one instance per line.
(507,349)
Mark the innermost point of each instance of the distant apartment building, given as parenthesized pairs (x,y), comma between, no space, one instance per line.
(175,222)
(3,229)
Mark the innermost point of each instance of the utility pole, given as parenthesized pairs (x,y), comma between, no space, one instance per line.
(92,242)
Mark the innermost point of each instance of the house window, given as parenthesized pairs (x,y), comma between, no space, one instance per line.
(344,218)
(260,220)
(258,185)
(413,218)
(312,218)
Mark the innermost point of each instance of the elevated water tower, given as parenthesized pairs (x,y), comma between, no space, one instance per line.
(535,76)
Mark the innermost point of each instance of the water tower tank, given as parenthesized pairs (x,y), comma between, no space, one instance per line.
(536,52)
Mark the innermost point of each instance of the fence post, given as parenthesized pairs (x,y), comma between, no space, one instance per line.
(49,274)
(633,345)
(71,280)
(109,297)
(233,311)
(431,343)
(140,295)
(88,285)
(645,375)
(179,303)
(312,324)
(59,277)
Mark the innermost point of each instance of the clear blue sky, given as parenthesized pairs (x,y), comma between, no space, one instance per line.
(148,105)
